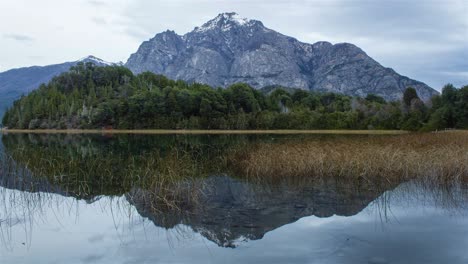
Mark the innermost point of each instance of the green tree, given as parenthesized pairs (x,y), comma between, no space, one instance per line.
(408,96)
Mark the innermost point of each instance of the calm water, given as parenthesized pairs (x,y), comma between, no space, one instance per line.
(93,199)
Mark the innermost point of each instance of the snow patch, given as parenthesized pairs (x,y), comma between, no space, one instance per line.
(97,60)
(224,21)
(237,19)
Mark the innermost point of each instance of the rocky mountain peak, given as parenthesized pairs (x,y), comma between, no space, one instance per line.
(231,49)
(225,22)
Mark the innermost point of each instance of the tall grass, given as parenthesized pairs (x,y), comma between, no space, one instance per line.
(436,156)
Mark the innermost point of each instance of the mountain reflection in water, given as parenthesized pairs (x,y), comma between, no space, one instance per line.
(48,219)
(230,210)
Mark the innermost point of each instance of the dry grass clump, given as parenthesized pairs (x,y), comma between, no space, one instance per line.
(435,156)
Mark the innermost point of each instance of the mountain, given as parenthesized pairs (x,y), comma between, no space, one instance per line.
(16,82)
(230,49)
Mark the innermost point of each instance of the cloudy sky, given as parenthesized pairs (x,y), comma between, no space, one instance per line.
(423,39)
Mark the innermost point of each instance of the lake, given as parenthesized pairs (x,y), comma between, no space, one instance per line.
(184,199)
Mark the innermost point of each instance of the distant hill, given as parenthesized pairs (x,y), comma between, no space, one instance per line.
(229,49)
(16,82)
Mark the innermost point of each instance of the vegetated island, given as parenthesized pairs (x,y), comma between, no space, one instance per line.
(90,97)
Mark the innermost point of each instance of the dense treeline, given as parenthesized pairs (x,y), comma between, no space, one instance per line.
(94,97)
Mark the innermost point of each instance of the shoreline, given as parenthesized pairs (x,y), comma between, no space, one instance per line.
(198,131)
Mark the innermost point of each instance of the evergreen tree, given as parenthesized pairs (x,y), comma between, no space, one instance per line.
(408,96)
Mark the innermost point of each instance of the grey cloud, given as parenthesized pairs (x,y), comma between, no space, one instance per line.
(137,33)
(96,238)
(36,57)
(97,3)
(19,37)
(92,259)
(99,20)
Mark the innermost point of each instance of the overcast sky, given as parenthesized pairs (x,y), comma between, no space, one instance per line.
(425,40)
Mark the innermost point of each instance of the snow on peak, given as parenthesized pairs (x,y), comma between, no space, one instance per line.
(96,60)
(225,21)
(236,18)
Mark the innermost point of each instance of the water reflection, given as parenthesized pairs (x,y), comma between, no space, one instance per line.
(111,230)
(52,211)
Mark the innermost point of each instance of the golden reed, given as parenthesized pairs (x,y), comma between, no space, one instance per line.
(433,156)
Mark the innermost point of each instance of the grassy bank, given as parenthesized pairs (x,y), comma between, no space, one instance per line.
(433,156)
(201,132)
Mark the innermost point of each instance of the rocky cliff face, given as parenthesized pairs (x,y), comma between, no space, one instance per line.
(230,49)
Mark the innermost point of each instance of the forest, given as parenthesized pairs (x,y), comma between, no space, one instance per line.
(113,97)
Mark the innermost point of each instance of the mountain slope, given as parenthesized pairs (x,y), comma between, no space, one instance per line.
(230,49)
(14,83)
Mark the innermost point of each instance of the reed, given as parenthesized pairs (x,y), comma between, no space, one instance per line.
(434,156)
